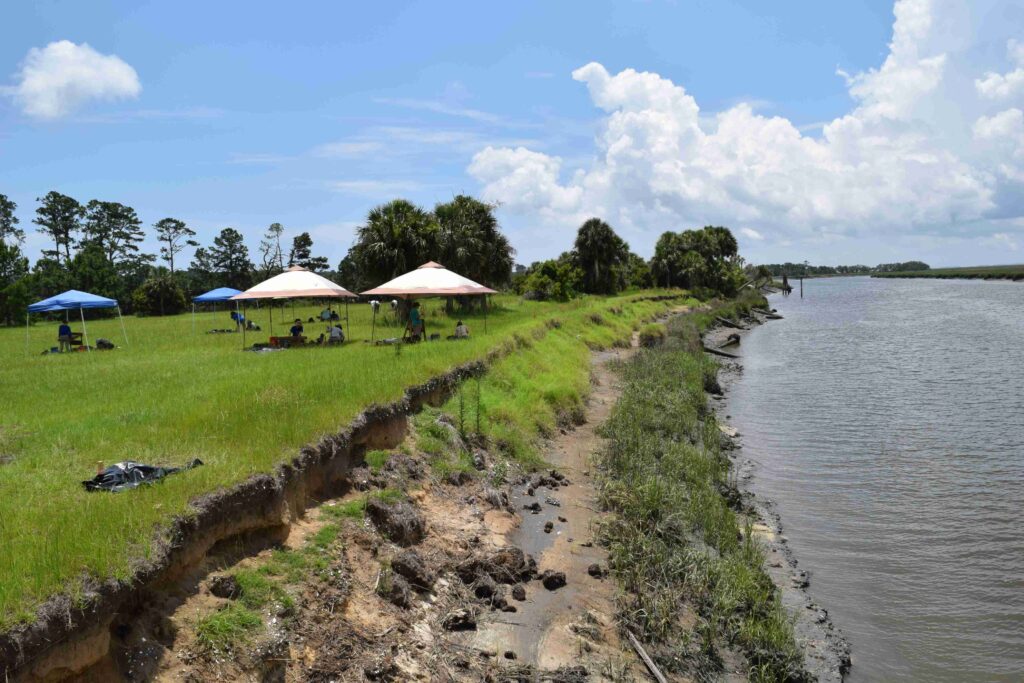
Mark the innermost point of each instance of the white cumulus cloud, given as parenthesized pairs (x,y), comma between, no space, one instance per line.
(999,86)
(902,160)
(56,79)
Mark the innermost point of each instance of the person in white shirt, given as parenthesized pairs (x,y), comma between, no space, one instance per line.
(335,334)
(461,331)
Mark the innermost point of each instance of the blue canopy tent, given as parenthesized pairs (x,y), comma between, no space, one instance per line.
(74,300)
(212,297)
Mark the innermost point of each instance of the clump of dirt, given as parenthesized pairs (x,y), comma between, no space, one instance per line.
(507,565)
(409,565)
(400,522)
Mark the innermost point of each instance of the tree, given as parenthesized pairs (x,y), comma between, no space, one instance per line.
(271,256)
(397,237)
(9,230)
(90,271)
(14,291)
(471,243)
(637,273)
(229,258)
(555,279)
(301,254)
(200,272)
(114,228)
(59,217)
(599,254)
(668,259)
(174,236)
(160,294)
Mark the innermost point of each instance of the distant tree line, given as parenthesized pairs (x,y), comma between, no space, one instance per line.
(97,247)
(805,269)
(602,263)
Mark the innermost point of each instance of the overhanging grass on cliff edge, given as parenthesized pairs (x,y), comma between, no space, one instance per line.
(173,396)
(675,544)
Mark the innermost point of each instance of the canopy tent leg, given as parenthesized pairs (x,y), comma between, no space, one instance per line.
(244,324)
(485,313)
(373,327)
(85,332)
(123,330)
(193,318)
(27,316)
(348,325)
(271,309)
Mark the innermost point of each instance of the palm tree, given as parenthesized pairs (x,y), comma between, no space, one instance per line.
(397,237)
(600,253)
(471,243)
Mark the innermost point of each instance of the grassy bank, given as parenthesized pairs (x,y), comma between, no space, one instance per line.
(693,578)
(173,395)
(1015,272)
(527,395)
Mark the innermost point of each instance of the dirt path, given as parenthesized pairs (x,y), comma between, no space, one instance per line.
(340,624)
(575,624)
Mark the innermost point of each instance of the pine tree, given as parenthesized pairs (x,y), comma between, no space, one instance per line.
(230,259)
(301,254)
(9,230)
(59,217)
(174,236)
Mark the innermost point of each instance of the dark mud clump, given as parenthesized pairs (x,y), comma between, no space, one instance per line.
(400,522)
(507,565)
(409,565)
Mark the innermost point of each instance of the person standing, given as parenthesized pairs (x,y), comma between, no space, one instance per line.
(64,337)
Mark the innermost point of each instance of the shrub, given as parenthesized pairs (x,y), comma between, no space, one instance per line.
(652,335)
(159,295)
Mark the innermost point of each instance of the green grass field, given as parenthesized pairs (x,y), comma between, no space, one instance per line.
(1015,272)
(173,395)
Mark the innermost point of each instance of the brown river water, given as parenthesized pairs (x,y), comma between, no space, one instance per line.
(885,418)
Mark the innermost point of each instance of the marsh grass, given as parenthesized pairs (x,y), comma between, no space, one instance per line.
(1007,272)
(673,539)
(171,396)
(526,396)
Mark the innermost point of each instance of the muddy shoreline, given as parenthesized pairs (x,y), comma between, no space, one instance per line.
(826,650)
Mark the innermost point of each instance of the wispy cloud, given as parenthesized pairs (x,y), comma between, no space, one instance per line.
(374,188)
(258,159)
(439,107)
(185,114)
(346,148)
(393,141)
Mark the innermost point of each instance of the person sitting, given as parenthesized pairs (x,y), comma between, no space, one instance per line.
(461,331)
(325,315)
(335,335)
(297,329)
(64,337)
(334,316)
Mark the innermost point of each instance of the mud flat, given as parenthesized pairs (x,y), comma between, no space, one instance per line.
(826,650)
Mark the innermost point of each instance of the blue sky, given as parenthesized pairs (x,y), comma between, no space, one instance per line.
(308,114)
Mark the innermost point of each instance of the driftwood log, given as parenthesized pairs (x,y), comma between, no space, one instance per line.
(729,323)
(717,352)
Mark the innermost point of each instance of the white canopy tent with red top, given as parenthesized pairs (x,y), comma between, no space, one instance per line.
(430,279)
(295,283)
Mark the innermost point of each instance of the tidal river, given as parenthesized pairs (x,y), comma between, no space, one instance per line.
(886,420)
